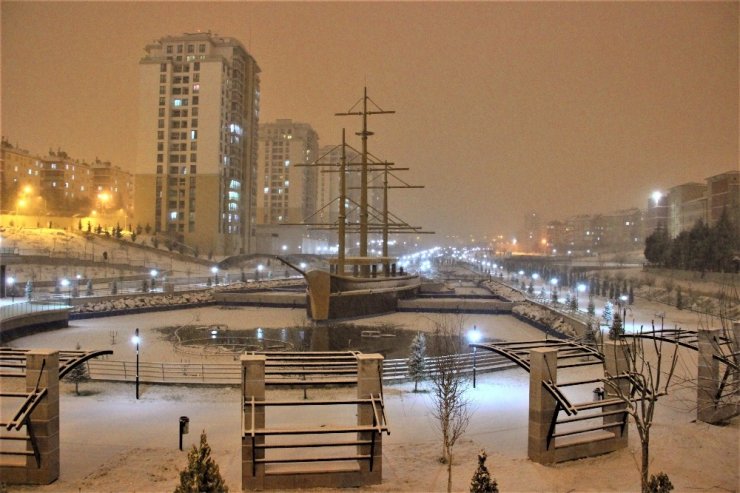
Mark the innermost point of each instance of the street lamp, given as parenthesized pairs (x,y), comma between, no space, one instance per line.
(259,270)
(137,340)
(65,284)
(474,337)
(154,274)
(580,288)
(10,281)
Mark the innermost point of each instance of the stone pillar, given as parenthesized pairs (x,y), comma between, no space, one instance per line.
(253,385)
(709,408)
(42,367)
(369,382)
(616,362)
(543,366)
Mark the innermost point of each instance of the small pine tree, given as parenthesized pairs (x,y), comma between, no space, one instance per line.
(608,313)
(573,304)
(530,288)
(659,484)
(591,310)
(554,296)
(114,287)
(29,289)
(616,329)
(89,287)
(78,374)
(482,481)
(201,473)
(679,298)
(416,361)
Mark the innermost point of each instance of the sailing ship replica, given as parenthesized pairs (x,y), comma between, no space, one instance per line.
(361,285)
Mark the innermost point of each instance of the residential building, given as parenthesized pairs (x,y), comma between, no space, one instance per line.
(686,205)
(288,191)
(19,178)
(195,170)
(113,187)
(723,194)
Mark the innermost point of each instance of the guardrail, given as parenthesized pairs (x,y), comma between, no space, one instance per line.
(12,310)
(394,370)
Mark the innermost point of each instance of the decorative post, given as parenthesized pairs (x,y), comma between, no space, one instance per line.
(369,384)
(253,386)
(543,366)
(42,369)
(616,362)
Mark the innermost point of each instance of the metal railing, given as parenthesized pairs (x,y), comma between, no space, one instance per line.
(12,310)
(394,370)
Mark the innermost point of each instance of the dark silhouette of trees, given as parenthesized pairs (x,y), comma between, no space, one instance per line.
(703,248)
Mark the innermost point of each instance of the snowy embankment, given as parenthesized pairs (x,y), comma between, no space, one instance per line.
(142,302)
(542,318)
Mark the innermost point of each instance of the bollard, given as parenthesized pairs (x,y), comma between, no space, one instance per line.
(184,427)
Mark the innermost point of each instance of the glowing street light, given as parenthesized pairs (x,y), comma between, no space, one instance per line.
(474,336)
(137,340)
(10,281)
(656,196)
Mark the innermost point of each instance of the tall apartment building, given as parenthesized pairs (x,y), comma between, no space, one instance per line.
(723,194)
(19,177)
(112,186)
(288,193)
(195,174)
(329,183)
(684,204)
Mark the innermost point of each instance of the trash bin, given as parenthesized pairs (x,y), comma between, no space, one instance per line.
(598,394)
(184,425)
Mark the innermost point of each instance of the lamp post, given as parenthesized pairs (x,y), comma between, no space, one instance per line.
(154,273)
(214,271)
(137,340)
(11,287)
(581,288)
(474,337)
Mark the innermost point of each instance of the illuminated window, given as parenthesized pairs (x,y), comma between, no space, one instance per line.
(177,102)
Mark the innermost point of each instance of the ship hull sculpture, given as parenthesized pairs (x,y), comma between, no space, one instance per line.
(362,285)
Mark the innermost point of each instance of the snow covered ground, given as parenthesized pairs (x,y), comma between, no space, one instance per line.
(112,442)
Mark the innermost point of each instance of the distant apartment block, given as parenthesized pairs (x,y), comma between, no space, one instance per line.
(723,194)
(288,193)
(57,184)
(196,160)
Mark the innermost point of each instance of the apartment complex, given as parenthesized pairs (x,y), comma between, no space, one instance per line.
(288,193)
(678,209)
(195,171)
(61,185)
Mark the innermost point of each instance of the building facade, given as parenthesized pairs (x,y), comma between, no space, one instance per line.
(288,193)
(723,194)
(195,171)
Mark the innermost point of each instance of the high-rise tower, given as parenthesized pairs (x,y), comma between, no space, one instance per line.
(196,154)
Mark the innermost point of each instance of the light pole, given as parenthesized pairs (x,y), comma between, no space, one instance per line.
(136,340)
(11,287)
(154,274)
(581,288)
(474,337)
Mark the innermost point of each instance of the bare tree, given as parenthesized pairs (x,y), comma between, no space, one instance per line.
(640,384)
(449,404)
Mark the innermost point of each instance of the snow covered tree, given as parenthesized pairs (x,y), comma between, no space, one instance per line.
(114,287)
(89,287)
(416,361)
(482,481)
(78,374)
(29,289)
(616,330)
(591,310)
(573,303)
(201,473)
(449,405)
(679,298)
(649,378)
(608,312)
(660,483)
